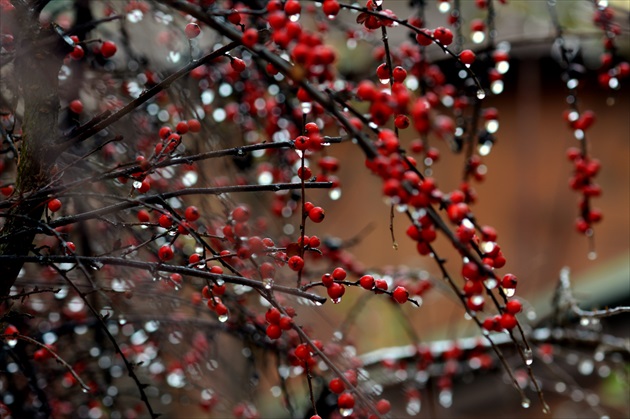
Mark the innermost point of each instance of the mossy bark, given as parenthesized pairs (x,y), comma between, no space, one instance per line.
(39,55)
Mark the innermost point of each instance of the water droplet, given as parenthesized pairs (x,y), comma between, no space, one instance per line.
(509,292)
(546,409)
(137,184)
(529,356)
(336,300)
(446,398)
(223,318)
(345,412)
(85,390)
(592,255)
(586,367)
(585,321)
(174,56)
(413,406)
(294,18)
(384,81)
(526,403)
(334,194)
(306,107)
(481,94)
(444,6)
(378,2)
(135,16)
(268,283)
(490,283)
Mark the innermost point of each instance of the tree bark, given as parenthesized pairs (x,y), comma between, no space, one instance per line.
(40,54)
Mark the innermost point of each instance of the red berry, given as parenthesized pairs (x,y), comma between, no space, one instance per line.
(292,7)
(192,30)
(285,322)
(77,53)
(339,274)
(367,282)
(273,315)
(250,37)
(194,125)
(336,291)
(240,214)
(507,321)
(513,306)
(401,295)
(401,121)
(165,132)
(165,221)
(11,330)
(302,142)
(467,56)
(380,284)
(274,331)
(234,17)
(54,205)
(382,72)
(182,127)
(238,65)
(317,214)
(443,35)
(192,213)
(165,253)
(302,351)
(383,406)
(296,263)
(143,216)
(327,280)
(345,401)
(399,74)
(331,7)
(76,106)
(336,386)
(108,49)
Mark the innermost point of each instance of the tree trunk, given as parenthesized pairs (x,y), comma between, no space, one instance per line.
(41,54)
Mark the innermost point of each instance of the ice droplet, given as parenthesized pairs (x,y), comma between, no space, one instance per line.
(481,94)
(446,398)
(413,407)
(345,412)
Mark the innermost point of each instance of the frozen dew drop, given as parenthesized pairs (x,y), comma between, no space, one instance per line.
(503,67)
(497,87)
(413,406)
(444,6)
(334,194)
(546,409)
(529,356)
(478,37)
(586,367)
(526,403)
(135,16)
(490,283)
(345,412)
(306,107)
(481,94)
(484,149)
(446,398)
(174,56)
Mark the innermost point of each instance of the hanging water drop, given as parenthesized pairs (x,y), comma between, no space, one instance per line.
(526,403)
(529,356)
(446,398)
(509,292)
(345,412)
(268,283)
(223,318)
(481,94)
